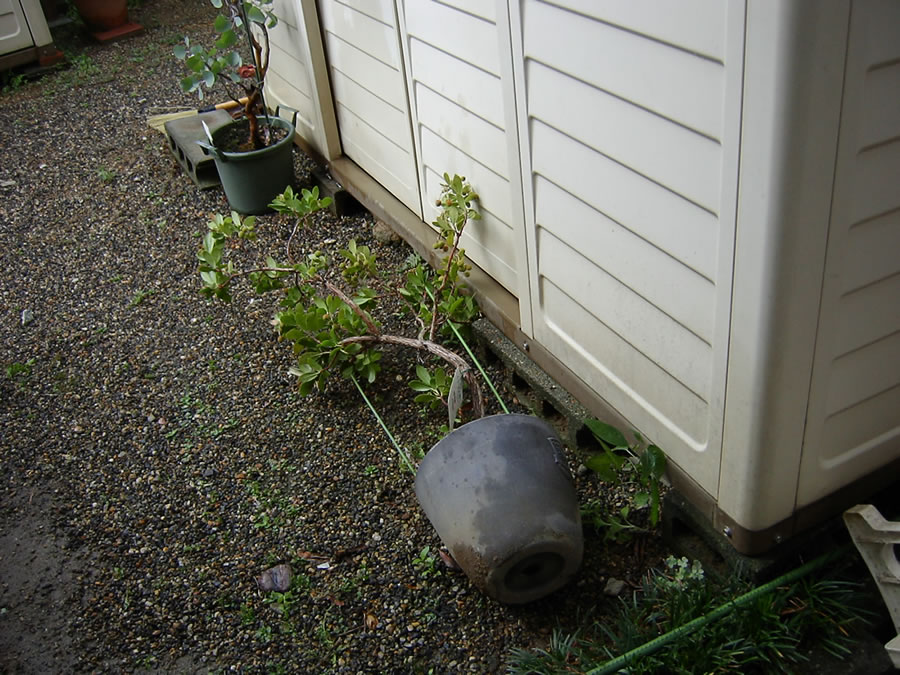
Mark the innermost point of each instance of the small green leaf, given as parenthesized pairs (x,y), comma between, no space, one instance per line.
(423,374)
(195,62)
(227,39)
(210,278)
(607,433)
(255,15)
(604,465)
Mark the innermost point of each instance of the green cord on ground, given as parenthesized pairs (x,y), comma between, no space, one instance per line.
(474,360)
(400,450)
(478,365)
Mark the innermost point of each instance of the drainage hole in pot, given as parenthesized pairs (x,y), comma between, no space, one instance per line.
(534,571)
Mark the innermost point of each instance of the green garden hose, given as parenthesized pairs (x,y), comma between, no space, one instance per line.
(474,360)
(400,451)
(478,365)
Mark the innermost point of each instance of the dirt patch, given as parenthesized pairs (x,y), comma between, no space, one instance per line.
(43,579)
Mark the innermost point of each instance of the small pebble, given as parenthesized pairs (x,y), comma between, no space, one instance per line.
(614,587)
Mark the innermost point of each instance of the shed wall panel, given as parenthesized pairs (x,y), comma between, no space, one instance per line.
(482,141)
(381,79)
(489,241)
(454,32)
(298,75)
(14,33)
(853,422)
(370,96)
(692,25)
(881,109)
(864,320)
(370,36)
(677,85)
(380,11)
(453,78)
(676,158)
(368,148)
(632,151)
(385,119)
(647,385)
(871,250)
(456,87)
(480,8)
(661,218)
(679,353)
(659,280)
(858,430)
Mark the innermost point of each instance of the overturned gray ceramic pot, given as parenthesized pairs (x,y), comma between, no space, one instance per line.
(502,500)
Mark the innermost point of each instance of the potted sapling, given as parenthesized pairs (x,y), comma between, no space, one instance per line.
(253,154)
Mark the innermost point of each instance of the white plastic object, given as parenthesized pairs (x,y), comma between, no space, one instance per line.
(876,539)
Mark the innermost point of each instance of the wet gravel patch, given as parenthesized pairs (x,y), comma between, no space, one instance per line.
(156,456)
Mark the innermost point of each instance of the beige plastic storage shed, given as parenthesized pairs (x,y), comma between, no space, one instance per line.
(24,35)
(691,212)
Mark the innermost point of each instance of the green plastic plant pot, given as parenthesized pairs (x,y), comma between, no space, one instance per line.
(499,495)
(252,179)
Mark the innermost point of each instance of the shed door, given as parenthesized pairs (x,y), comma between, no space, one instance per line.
(460,82)
(14,33)
(369,89)
(630,122)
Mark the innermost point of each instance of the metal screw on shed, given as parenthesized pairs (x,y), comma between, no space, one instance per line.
(525,346)
(727,531)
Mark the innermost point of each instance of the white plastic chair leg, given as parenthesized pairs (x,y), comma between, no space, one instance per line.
(875,538)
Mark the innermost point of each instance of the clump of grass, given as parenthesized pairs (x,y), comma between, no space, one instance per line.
(19,370)
(106,175)
(141,295)
(771,634)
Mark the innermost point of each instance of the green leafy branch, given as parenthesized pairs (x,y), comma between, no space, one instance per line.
(433,387)
(332,329)
(437,298)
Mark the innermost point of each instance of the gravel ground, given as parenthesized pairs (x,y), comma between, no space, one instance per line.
(156,456)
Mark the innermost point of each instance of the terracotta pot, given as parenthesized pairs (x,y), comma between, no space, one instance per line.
(103,15)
